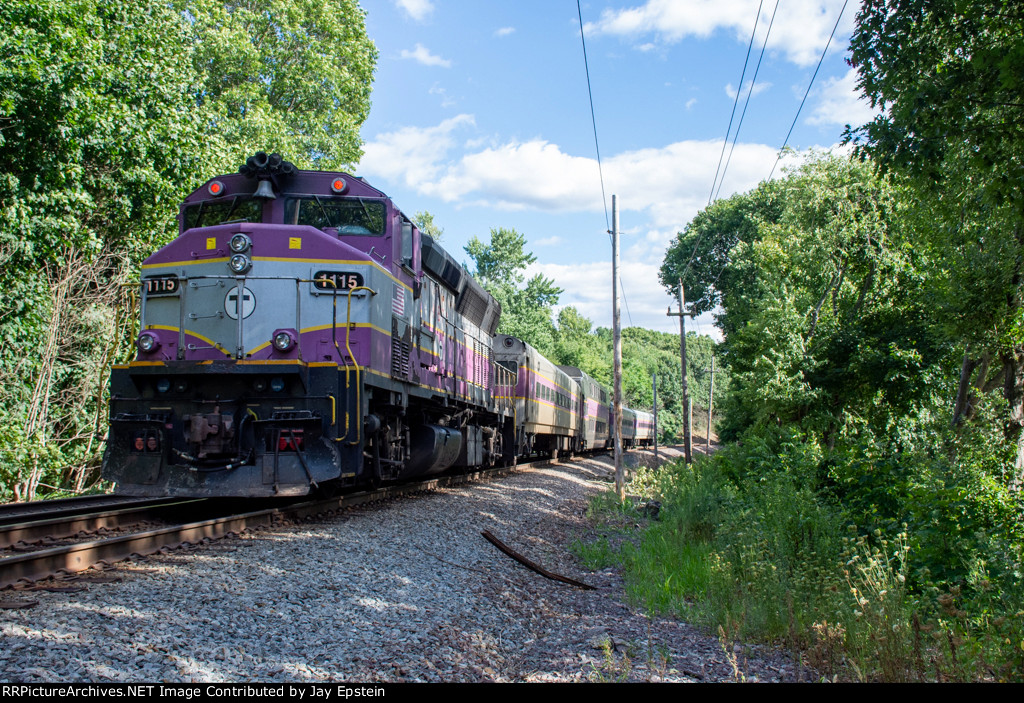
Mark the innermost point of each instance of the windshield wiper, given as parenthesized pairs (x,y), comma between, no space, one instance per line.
(234,204)
(199,214)
(369,217)
(330,222)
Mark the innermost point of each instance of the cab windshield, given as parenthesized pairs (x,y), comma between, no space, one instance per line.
(359,216)
(218,212)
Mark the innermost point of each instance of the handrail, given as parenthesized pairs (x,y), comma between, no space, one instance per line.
(348,348)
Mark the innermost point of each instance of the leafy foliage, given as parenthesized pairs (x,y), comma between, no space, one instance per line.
(526,306)
(291,76)
(948,75)
(425,221)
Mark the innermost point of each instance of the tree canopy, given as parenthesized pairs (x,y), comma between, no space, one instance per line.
(948,75)
(291,76)
(526,309)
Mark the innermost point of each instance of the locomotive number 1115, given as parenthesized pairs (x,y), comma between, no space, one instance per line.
(337,280)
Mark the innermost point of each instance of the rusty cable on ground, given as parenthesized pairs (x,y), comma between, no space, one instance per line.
(530,565)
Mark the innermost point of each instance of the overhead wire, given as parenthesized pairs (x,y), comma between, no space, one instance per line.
(593,118)
(735,102)
(746,103)
(597,148)
(728,131)
(808,92)
(792,126)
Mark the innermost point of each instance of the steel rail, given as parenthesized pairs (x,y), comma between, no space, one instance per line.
(10,512)
(61,527)
(38,565)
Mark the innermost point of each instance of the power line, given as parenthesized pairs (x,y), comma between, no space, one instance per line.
(735,102)
(597,148)
(728,130)
(789,134)
(593,118)
(746,103)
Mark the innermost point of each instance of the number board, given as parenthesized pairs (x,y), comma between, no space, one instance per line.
(337,280)
(161,285)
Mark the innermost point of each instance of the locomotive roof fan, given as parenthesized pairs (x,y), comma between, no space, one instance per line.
(268,169)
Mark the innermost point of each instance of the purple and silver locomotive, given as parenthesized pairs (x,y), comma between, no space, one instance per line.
(299,331)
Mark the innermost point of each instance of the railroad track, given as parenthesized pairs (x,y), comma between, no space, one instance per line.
(22,512)
(32,560)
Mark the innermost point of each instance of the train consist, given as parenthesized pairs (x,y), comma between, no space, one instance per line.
(301,332)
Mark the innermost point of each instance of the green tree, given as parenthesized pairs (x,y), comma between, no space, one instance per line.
(578,346)
(948,75)
(948,78)
(291,76)
(425,221)
(99,137)
(701,254)
(99,128)
(526,309)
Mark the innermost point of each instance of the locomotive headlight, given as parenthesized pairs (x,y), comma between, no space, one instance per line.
(163,385)
(277,384)
(283,340)
(148,343)
(239,263)
(240,243)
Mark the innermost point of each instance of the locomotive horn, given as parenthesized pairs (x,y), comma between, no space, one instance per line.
(260,159)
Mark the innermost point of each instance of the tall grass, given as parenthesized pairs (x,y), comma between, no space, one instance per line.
(771,560)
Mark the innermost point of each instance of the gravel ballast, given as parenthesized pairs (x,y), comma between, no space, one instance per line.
(404,591)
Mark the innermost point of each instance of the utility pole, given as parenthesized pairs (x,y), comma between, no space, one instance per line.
(620,478)
(711,400)
(655,382)
(682,314)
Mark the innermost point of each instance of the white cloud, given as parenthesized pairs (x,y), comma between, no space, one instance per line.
(504,31)
(411,155)
(642,302)
(842,104)
(422,55)
(416,9)
(547,241)
(516,176)
(446,101)
(658,189)
(670,184)
(758,89)
(800,30)
(690,103)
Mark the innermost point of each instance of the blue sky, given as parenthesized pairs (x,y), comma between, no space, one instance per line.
(481,116)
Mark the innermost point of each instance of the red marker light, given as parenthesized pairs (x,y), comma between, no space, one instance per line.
(216,188)
(338,185)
